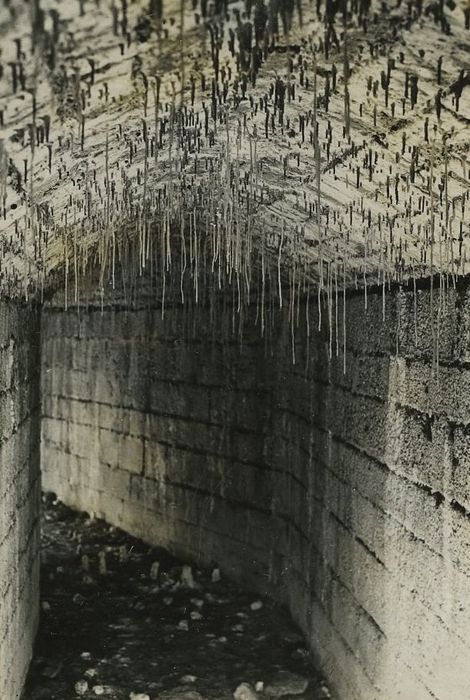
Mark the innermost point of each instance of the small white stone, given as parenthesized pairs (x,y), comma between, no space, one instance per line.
(139,696)
(81,687)
(45,606)
(245,692)
(98,690)
(85,655)
(183,625)
(259,686)
(196,615)
(155,568)
(188,679)
(223,640)
(286,683)
(90,673)
(215,575)
(257,605)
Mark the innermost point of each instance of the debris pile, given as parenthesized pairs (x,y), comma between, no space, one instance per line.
(126,621)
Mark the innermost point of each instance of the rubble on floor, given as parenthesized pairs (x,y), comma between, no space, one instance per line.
(126,621)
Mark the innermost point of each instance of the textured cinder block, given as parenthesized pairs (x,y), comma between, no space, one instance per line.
(19,493)
(345,495)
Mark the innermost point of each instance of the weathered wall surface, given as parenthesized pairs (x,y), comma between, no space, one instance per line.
(345,495)
(19,493)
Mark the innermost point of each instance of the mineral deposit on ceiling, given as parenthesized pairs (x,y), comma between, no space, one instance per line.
(329,137)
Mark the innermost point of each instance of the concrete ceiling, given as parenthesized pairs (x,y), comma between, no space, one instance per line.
(329,137)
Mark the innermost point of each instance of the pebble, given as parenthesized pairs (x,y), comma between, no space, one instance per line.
(90,673)
(245,692)
(81,687)
(139,696)
(215,577)
(85,655)
(196,615)
(98,690)
(259,686)
(286,683)
(188,679)
(45,606)
(183,625)
(257,605)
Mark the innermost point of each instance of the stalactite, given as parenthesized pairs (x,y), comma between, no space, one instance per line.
(220,166)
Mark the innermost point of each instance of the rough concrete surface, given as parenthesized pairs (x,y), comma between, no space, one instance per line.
(344,495)
(19,493)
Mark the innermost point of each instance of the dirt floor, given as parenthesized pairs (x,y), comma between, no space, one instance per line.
(124,620)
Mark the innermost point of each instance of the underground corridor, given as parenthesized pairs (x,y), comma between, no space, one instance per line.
(219,520)
(234,349)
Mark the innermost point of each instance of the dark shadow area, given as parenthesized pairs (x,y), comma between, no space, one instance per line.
(122,618)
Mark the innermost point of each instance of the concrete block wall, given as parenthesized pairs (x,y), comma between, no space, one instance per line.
(19,492)
(344,495)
